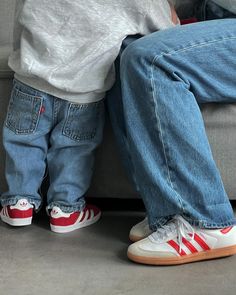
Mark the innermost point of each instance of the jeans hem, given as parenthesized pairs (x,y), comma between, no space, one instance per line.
(160,222)
(67,208)
(9,201)
(204,224)
(210,225)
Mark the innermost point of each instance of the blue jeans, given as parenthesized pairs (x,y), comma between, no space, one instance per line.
(41,130)
(159,126)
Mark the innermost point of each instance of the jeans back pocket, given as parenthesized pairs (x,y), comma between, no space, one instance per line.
(83,120)
(23,112)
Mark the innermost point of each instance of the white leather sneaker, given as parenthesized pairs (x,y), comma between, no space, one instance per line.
(178,242)
(140,231)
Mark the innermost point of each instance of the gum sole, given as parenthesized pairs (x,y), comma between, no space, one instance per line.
(206,255)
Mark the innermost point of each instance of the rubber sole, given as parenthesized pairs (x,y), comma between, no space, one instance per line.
(16,221)
(206,255)
(70,228)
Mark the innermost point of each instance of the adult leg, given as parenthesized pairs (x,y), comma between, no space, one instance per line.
(115,109)
(164,76)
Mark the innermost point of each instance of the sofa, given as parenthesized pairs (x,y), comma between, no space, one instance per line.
(110,180)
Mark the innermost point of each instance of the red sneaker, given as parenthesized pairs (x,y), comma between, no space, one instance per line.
(61,222)
(19,214)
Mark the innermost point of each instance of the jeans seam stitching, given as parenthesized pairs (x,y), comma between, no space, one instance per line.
(197,45)
(161,136)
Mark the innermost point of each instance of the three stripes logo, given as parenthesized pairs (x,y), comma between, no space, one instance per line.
(197,244)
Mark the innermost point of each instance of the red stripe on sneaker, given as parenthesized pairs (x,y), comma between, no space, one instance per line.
(174,245)
(200,242)
(84,214)
(226,230)
(189,245)
(89,214)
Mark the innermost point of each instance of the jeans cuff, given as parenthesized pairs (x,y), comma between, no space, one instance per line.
(196,223)
(8,201)
(67,208)
(206,224)
(159,222)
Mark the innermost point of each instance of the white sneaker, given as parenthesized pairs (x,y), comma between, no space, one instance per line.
(178,242)
(19,214)
(140,231)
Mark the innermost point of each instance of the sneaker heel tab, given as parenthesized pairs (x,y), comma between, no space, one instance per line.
(226,230)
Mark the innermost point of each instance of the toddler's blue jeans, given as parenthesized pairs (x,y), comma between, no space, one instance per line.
(42,130)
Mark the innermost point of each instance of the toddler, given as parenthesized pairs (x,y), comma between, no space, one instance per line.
(63,60)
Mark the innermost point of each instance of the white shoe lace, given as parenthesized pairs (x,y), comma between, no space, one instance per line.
(178,227)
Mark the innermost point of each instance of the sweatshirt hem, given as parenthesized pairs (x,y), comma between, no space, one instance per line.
(43,86)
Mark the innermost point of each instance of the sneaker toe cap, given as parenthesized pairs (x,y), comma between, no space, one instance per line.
(146,248)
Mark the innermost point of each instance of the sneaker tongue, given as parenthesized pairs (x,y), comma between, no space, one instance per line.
(178,227)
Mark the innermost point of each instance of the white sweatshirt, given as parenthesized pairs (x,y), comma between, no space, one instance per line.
(67,48)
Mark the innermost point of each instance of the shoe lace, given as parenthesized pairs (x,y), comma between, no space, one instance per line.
(179,227)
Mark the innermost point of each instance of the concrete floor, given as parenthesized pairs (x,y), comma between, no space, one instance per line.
(92,261)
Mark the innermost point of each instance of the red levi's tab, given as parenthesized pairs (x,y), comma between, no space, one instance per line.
(42,110)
